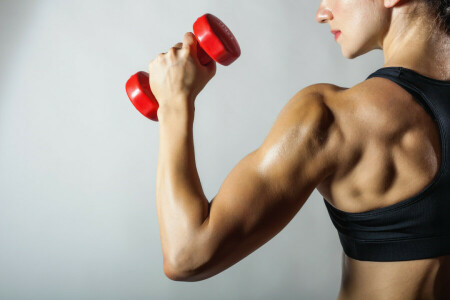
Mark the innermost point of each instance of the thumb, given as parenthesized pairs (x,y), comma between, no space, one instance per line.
(190,42)
(199,55)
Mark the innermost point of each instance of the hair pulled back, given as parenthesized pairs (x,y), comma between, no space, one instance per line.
(440,9)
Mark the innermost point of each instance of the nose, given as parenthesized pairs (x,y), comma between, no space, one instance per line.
(324,13)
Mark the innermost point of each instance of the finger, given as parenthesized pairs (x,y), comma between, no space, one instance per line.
(178,45)
(189,40)
(172,51)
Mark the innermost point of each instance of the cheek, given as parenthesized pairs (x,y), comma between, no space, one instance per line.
(346,14)
(359,22)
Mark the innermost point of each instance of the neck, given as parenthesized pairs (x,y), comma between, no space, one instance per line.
(419,46)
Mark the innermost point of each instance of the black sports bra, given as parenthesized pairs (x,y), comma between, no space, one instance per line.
(417,227)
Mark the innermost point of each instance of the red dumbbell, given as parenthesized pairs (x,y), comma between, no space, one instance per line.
(216,42)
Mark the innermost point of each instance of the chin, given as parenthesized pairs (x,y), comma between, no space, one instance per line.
(356,52)
(349,54)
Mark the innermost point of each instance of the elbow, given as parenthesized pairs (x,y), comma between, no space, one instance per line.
(173,274)
(177,274)
(171,268)
(182,270)
(190,262)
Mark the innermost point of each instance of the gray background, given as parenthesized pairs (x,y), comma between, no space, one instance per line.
(78,161)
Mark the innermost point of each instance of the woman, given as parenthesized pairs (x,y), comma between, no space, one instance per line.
(378,152)
(405,254)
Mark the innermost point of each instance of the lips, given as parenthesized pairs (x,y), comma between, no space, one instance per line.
(336,33)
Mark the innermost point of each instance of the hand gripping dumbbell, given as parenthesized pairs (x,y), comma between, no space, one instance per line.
(215,42)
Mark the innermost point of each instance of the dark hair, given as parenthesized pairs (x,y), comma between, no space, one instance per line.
(440,10)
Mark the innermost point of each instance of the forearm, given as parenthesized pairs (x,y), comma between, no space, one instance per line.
(181,204)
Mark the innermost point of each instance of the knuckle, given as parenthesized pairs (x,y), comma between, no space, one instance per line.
(172,51)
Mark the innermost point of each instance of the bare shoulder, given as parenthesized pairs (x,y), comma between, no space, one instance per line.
(320,97)
(308,134)
(395,119)
(373,112)
(384,128)
(324,91)
(379,106)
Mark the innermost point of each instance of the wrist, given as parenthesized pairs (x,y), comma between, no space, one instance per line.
(176,110)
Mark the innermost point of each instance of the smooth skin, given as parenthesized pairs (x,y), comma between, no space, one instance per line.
(345,142)
(409,161)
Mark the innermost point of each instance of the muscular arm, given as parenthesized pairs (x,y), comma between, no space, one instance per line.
(259,197)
